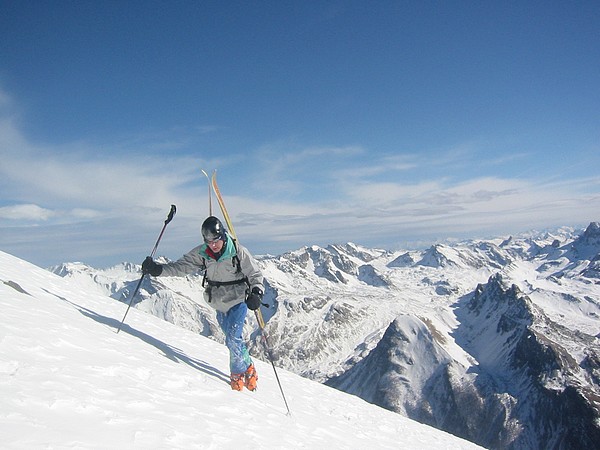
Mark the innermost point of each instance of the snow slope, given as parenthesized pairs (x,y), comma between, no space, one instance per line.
(69,380)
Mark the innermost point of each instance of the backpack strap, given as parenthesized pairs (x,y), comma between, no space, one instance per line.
(203,268)
(235,261)
(227,283)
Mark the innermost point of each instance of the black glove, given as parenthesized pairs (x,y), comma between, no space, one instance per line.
(254,300)
(149,267)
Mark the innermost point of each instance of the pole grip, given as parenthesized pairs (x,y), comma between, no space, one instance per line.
(171,214)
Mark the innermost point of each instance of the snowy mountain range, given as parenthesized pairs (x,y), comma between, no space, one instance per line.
(495,341)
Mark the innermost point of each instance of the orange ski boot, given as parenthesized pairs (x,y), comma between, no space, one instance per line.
(251,378)
(237,381)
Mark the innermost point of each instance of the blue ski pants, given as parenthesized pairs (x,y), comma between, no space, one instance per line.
(232,324)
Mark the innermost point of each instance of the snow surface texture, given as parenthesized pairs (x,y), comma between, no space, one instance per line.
(495,341)
(68,380)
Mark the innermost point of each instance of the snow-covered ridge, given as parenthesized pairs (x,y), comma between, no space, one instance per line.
(508,326)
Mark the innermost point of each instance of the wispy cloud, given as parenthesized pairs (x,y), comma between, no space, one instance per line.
(84,177)
(26,212)
(105,202)
(390,214)
(289,157)
(369,168)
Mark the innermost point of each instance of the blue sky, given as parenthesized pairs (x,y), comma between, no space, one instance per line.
(391,124)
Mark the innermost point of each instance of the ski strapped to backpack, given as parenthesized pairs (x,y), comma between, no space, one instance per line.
(257,313)
(210,211)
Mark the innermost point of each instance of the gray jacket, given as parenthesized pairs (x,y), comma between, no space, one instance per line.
(227,280)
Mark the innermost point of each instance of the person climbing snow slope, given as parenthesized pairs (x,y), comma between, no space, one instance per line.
(233,283)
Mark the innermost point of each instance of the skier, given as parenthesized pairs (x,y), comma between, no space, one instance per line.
(233,283)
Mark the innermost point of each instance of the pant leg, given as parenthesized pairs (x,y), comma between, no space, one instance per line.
(232,324)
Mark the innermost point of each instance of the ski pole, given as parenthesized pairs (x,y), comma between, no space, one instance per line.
(261,324)
(169,218)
